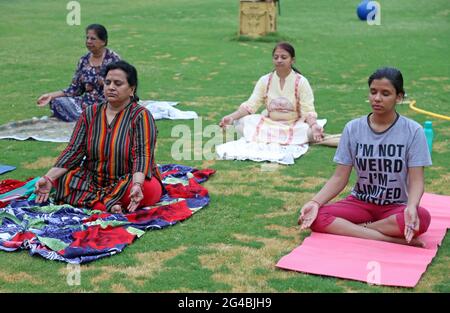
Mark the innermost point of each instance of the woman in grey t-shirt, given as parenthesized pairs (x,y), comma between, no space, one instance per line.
(388,152)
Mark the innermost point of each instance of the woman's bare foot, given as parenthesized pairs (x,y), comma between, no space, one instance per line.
(116,209)
(415,242)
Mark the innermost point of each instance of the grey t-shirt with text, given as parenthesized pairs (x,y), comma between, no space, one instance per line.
(381,160)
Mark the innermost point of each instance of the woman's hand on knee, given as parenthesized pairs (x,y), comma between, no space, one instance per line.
(44,99)
(136,197)
(308,214)
(226,120)
(317,132)
(412,223)
(42,189)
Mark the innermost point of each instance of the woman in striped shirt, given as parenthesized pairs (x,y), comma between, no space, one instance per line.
(109,162)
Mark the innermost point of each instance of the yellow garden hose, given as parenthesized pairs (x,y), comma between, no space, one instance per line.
(412,107)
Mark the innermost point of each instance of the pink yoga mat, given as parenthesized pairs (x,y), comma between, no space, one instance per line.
(374,262)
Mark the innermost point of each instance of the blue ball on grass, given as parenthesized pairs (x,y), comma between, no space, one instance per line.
(364,8)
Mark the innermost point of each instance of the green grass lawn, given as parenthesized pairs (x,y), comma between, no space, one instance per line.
(188,51)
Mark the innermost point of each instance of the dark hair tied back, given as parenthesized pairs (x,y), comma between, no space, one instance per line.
(101,32)
(130,71)
(392,74)
(286,46)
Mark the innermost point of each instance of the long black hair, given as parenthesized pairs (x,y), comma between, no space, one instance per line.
(289,49)
(100,31)
(130,71)
(392,74)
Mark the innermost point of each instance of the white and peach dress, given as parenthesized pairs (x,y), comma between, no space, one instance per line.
(285,117)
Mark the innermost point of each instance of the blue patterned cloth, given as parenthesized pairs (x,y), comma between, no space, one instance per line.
(80,235)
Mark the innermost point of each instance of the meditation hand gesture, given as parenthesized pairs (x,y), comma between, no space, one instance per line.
(411,223)
(136,196)
(44,99)
(226,120)
(308,214)
(317,132)
(42,189)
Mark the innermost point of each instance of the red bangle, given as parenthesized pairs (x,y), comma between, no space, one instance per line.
(49,179)
(320,205)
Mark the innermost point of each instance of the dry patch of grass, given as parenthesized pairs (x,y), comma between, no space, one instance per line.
(119,288)
(442,181)
(440,146)
(347,289)
(184,290)
(444,132)
(150,264)
(191,59)
(243,263)
(252,180)
(152,95)
(41,163)
(444,13)
(291,231)
(207,164)
(222,99)
(293,202)
(18,277)
(337,87)
(188,60)
(313,182)
(60,147)
(211,75)
(214,117)
(438,169)
(256,176)
(273,214)
(219,189)
(162,56)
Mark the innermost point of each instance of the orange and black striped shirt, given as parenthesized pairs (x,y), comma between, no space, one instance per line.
(102,158)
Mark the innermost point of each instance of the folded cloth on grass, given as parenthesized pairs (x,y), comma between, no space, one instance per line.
(10,184)
(78,235)
(165,109)
(22,191)
(54,130)
(41,129)
(6,168)
(374,262)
